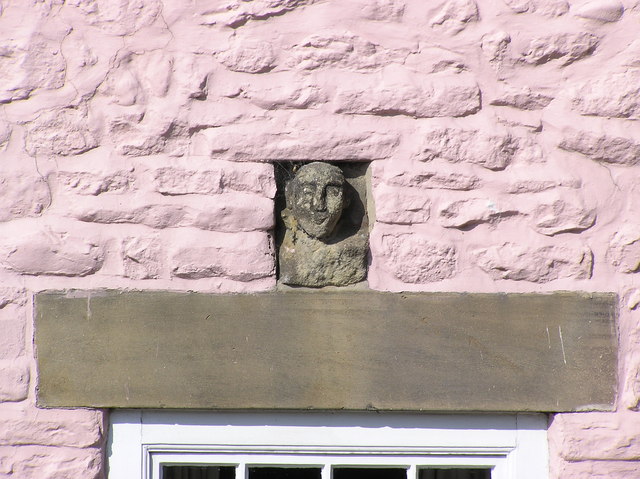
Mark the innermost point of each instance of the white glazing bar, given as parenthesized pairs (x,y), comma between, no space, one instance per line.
(412,472)
(325,473)
(155,468)
(241,471)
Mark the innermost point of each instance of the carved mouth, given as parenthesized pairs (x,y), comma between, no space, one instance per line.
(319,219)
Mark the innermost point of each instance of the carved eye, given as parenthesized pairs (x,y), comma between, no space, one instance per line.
(334,191)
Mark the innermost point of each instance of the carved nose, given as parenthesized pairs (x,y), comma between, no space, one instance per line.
(319,201)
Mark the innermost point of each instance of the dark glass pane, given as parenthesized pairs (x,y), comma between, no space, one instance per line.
(198,472)
(369,473)
(454,474)
(284,473)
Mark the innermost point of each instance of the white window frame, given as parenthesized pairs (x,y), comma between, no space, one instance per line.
(141,442)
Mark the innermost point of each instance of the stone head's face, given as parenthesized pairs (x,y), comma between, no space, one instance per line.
(316,198)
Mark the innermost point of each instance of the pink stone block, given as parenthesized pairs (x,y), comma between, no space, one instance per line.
(241,257)
(596,470)
(13,341)
(15,296)
(401,205)
(38,462)
(23,195)
(413,257)
(27,425)
(48,253)
(122,18)
(60,132)
(142,257)
(537,264)
(596,436)
(14,380)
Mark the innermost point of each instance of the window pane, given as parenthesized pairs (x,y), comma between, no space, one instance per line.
(284,473)
(369,473)
(198,472)
(454,474)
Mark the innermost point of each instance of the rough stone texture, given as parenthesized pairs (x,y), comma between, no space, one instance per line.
(249,57)
(471,212)
(433,179)
(49,253)
(306,261)
(250,257)
(341,50)
(520,186)
(85,183)
(289,95)
(139,78)
(35,462)
(415,259)
(562,216)
(519,6)
(455,15)
(60,132)
(624,249)
(221,213)
(494,152)
(142,257)
(635,376)
(402,206)
(298,143)
(29,64)
(615,95)
(597,470)
(524,99)
(381,10)
(12,296)
(598,436)
(122,17)
(14,342)
(496,47)
(548,8)
(565,47)
(134,137)
(633,299)
(14,380)
(426,99)
(28,425)
(601,10)
(23,195)
(537,265)
(608,149)
(154,216)
(5,134)
(432,59)
(216,178)
(238,12)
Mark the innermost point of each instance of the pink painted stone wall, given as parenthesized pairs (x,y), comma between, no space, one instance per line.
(134,145)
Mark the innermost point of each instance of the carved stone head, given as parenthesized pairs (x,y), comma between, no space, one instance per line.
(316,198)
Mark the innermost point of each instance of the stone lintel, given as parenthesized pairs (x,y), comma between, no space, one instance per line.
(327,350)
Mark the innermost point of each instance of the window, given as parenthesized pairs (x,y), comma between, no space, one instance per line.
(203,445)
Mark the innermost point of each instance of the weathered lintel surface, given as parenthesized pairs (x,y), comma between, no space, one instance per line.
(330,350)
